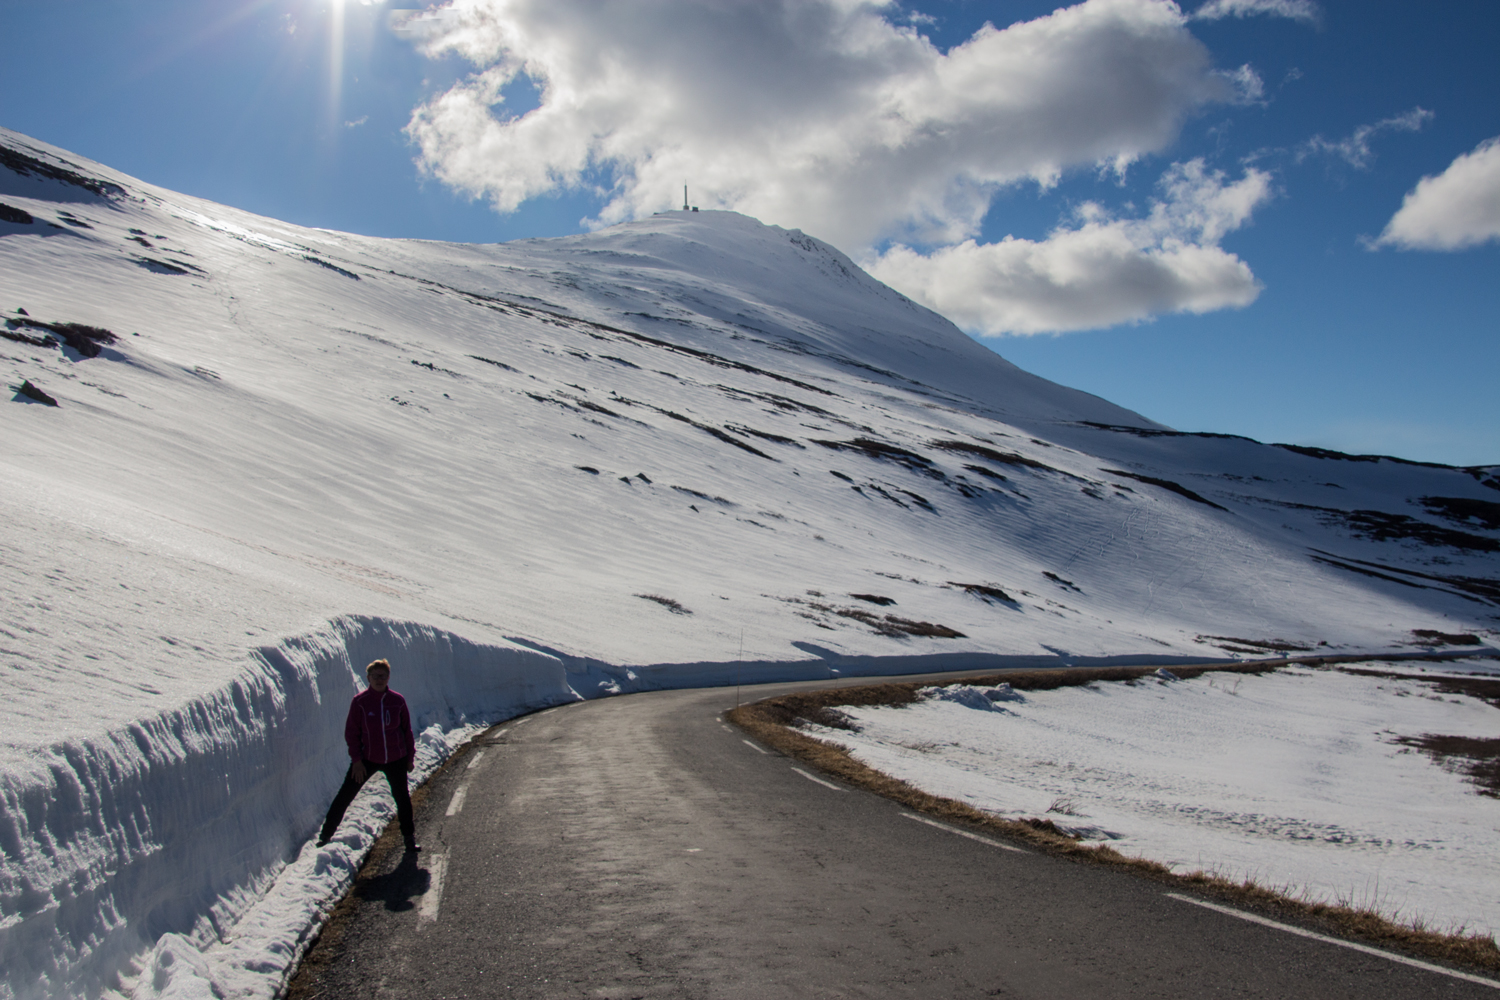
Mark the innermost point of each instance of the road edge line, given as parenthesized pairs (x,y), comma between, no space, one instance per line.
(437,867)
(819,781)
(965,833)
(1355,946)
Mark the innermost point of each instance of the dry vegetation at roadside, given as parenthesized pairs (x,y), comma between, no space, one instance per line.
(775,721)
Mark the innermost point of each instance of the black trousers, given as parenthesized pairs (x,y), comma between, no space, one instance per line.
(395,773)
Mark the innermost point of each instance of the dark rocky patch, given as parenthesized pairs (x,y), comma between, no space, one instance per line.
(1258,645)
(332,267)
(1432,637)
(764,435)
(988,473)
(882,491)
(1166,484)
(1329,454)
(882,451)
(1064,584)
(22,338)
(84,339)
(780,402)
(20,163)
(497,364)
(1001,457)
(984,592)
(31,391)
(1380,526)
(1486,475)
(704,496)
(705,428)
(165,267)
(1461,510)
(888,625)
(600,409)
(15,216)
(919,500)
(874,599)
(434,368)
(553,400)
(1151,432)
(587,468)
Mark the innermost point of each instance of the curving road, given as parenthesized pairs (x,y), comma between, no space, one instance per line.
(638,847)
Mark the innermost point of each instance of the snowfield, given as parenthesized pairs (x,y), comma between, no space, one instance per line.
(542,471)
(1298,779)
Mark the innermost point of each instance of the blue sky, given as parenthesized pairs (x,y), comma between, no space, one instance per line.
(1303,332)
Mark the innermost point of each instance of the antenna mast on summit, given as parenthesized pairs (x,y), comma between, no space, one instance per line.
(684,198)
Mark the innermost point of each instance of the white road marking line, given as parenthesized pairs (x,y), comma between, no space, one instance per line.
(525,720)
(437,866)
(819,781)
(475,760)
(965,833)
(502,732)
(752,746)
(1415,963)
(456,804)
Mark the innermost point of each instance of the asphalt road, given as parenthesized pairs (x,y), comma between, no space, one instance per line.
(639,847)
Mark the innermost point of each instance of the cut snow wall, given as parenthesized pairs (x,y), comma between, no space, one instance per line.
(174,826)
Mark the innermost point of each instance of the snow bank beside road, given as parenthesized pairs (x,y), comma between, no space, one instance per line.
(166,832)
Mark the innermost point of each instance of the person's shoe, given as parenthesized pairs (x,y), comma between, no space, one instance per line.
(412,847)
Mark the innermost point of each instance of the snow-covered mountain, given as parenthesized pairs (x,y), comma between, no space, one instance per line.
(552,469)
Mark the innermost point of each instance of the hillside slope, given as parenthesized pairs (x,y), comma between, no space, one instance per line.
(598,463)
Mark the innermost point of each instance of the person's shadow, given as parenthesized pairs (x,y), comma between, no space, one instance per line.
(396,888)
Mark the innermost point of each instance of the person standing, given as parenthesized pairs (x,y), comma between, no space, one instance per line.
(378,733)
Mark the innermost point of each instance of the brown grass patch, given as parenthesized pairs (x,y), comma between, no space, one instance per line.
(1476,758)
(666,602)
(774,721)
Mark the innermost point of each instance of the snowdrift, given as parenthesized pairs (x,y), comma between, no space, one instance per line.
(242,458)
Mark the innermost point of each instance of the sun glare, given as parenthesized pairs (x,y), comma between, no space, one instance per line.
(336,45)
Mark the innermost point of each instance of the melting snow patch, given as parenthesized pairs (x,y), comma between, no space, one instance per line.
(1297,779)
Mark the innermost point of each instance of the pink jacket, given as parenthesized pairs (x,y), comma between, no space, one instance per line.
(379,727)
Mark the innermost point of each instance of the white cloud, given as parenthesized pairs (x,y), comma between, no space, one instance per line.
(1355,148)
(1102,272)
(356,123)
(819,114)
(1456,209)
(1297,10)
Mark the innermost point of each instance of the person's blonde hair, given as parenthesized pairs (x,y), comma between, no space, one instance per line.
(383,664)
